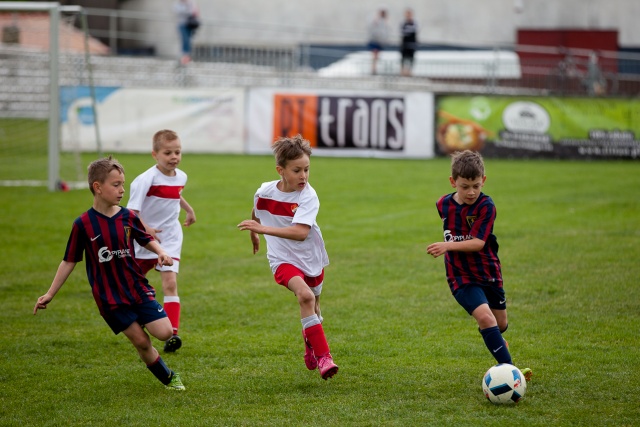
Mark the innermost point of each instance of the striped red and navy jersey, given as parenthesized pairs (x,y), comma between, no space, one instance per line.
(114,276)
(463,222)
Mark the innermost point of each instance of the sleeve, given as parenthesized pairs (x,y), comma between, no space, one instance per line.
(139,189)
(75,244)
(483,224)
(308,209)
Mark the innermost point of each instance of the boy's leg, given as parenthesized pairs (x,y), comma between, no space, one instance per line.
(491,334)
(172,308)
(312,327)
(149,355)
(171,301)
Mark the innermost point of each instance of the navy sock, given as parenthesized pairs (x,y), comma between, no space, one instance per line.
(496,345)
(160,370)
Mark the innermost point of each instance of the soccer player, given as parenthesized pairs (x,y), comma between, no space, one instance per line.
(125,299)
(156,195)
(285,212)
(470,252)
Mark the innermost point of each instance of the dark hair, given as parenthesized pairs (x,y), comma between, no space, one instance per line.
(162,136)
(290,148)
(467,164)
(98,170)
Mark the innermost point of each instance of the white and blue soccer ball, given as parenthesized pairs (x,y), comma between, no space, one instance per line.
(504,383)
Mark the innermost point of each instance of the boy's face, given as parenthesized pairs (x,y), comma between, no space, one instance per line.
(168,156)
(295,174)
(112,189)
(468,190)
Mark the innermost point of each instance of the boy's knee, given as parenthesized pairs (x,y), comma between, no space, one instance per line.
(306,297)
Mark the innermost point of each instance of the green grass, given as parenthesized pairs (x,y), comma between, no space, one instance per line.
(408,354)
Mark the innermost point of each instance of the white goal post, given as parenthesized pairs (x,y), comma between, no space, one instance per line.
(54,10)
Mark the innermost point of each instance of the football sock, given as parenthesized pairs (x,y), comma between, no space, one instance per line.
(310,321)
(172,308)
(160,370)
(496,345)
(315,336)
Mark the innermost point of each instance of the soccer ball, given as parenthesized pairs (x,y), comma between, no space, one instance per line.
(504,383)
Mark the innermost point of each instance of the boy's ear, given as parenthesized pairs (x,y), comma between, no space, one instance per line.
(279,170)
(452,181)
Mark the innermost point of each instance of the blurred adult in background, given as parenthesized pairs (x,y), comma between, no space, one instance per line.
(409,42)
(188,21)
(378,36)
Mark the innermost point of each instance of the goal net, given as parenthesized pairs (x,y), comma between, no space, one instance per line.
(45,55)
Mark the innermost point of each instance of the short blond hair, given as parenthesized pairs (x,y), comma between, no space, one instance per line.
(162,136)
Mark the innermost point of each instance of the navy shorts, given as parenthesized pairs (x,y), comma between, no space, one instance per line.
(121,318)
(473,296)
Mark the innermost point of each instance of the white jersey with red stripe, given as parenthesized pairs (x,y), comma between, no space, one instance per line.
(157,197)
(275,208)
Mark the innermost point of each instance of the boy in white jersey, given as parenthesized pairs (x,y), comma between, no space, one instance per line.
(285,211)
(156,195)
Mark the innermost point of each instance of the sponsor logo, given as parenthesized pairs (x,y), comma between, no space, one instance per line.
(106,255)
(526,117)
(342,122)
(94,238)
(449,237)
(294,207)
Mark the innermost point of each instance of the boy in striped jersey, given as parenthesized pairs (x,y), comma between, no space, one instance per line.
(285,211)
(104,235)
(470,252)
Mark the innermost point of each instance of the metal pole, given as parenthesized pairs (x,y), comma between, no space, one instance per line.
(54,99)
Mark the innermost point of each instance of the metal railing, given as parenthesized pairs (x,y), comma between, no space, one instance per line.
(528,69)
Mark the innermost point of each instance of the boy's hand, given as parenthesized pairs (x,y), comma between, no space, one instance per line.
(250,225)
(190,219)
(436,249)
(42,302)
(164,259)
(255,240)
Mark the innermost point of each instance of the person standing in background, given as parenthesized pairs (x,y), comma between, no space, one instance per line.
(409,43)
(186,11)
(378,37)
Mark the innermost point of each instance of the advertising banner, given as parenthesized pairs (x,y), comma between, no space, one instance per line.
(207,120)
(346,124)
(544,127)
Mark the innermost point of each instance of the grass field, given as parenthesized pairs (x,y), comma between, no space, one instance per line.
(408,354)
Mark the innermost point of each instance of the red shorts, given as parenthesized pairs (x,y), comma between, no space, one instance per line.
(286,272)
(147,264)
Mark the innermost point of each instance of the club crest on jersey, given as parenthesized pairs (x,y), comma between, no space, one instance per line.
(471,220)
(294,207)
(127,233)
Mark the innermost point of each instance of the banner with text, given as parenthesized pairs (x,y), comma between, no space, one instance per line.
(573,128)
(346,124)
(207,120)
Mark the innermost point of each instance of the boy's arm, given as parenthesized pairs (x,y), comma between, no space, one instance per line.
(163,257)
(191,215)
(472,245)
(297,232)
(64,270)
